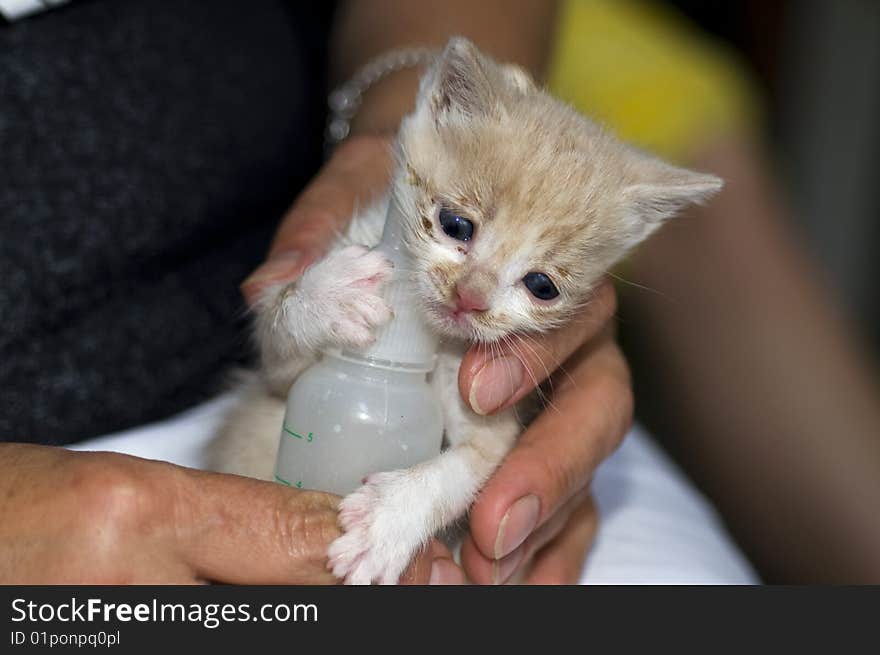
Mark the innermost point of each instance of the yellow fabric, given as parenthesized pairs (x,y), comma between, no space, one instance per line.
(644,71)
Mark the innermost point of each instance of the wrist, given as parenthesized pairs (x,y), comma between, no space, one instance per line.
(385,103)
(378,95)
(366,148)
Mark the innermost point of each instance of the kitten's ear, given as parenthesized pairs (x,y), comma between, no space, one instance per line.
(518,79)
(457,84)
(657,191)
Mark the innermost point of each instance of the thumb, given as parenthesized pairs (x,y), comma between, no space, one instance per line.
(238,530)
(358,171)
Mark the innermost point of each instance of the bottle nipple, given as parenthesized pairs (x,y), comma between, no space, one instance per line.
(406,340)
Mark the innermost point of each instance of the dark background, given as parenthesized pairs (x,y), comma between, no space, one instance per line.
(817,63)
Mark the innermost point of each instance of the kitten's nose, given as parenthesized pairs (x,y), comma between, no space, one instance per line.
(467,300)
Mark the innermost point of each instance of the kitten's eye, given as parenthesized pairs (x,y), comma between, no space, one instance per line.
(541,286)
(456,226)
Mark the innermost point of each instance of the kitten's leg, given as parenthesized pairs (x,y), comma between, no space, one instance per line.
(395,513)
(336,302)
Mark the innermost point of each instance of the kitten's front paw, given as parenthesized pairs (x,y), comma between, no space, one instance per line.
(347,287)
(383,530)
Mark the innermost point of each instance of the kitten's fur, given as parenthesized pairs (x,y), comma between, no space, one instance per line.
(547,190)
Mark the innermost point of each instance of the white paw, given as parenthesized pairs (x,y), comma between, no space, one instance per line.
(346,290)
(384,528)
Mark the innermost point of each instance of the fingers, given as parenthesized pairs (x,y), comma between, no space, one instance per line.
(493,379)
(562,559)
(244,531)
(433,566)
(553,554)
(240,530)
(555,458)
(359,169)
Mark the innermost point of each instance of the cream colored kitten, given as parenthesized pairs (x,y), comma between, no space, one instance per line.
(515,205)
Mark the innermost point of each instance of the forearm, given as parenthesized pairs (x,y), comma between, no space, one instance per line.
(518,31)
(780,410)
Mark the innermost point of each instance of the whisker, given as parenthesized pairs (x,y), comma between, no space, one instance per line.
(560,366)
(637,285)
(545,400)
(497,348)
(521,339)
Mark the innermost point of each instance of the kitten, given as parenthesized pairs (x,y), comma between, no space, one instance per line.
(514,207)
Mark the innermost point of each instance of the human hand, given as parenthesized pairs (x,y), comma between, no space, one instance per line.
(103,518)
(358,172)
(535,514)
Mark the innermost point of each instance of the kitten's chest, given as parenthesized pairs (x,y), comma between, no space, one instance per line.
(444,377)
(444,381)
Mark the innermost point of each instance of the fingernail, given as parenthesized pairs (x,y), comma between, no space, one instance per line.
(495,383)
(502,569)
(517,524)
(276,268)
(445,572)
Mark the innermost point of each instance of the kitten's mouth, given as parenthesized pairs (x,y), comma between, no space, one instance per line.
(457,316)
(454,320)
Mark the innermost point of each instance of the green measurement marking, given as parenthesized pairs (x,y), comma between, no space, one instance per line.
(298,436)
(283,481)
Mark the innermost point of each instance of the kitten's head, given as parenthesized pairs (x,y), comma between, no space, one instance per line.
(515,205)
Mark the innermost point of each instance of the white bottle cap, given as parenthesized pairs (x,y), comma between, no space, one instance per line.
(405,341)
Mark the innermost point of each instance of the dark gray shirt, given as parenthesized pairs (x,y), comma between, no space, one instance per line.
(147,149)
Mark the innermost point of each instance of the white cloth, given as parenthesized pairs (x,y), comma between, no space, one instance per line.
(655,528)
(15,9)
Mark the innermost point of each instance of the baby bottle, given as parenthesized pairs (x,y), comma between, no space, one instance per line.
(353,413)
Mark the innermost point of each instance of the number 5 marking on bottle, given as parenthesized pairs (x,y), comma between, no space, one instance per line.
(308,438)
